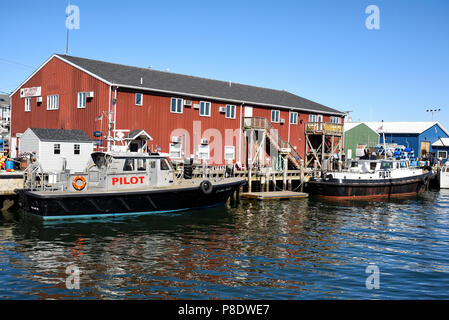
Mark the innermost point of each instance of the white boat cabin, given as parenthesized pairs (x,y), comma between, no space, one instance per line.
(377,169)
(116,171)
(366,166)
(444,177)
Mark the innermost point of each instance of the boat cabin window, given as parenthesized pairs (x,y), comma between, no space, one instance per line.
(354,164)
(386,165)
(165,165)
(100,160)
(153,164)
(141,164)
(129,165)
(372,165)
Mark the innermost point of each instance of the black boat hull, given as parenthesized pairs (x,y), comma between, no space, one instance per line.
(82,205)
(359,189)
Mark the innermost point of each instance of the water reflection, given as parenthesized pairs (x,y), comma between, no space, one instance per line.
(258,250)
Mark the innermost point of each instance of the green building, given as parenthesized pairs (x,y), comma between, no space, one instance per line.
(358,133)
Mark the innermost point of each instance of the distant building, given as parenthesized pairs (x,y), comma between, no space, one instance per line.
(358,133)
(5,121)
(419,136)
(441,149)
(5,110)
(52,146)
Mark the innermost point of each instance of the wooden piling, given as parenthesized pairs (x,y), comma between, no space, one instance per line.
(250,176)
(284,177)
(237,194)
(267,182)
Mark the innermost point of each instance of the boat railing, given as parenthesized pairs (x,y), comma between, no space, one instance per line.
(31,174)
(37,180)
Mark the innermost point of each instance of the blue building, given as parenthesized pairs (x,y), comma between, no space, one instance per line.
(419,136)
(441,148)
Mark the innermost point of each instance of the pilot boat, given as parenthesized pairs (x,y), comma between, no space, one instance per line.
(113,184)
(370,179)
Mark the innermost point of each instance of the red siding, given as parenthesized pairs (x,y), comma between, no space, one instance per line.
(58,77)
(155,117)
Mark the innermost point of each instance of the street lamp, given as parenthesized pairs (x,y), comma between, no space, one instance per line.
(433,111)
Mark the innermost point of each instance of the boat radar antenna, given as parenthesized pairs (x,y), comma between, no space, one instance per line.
(119,136)
(348,115)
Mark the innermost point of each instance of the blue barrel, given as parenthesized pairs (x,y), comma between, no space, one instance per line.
(9,165)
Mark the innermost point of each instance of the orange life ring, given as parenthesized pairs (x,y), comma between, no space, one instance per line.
(77,186)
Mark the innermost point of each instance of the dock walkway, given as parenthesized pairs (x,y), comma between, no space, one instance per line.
(10,181)
(274,195)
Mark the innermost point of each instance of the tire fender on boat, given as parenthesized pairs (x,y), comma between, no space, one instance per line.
(77,186)
(206,186)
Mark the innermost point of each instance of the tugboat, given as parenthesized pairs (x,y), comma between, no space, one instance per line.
(370,179)
(122,183)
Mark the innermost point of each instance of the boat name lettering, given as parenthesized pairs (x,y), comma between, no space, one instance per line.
(125,180)
(384,174)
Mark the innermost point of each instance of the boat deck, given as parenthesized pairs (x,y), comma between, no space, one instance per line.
(185,184)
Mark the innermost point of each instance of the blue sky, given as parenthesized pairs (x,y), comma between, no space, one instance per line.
(320,50)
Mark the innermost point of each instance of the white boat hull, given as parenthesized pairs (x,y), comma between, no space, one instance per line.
(444,179)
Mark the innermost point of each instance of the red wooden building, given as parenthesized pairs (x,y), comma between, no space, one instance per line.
(177,111)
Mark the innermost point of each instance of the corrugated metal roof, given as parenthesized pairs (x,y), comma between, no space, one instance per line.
(148,79)
(442,142)
(61,135)
(417,127)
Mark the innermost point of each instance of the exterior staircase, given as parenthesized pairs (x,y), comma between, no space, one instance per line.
(260,123)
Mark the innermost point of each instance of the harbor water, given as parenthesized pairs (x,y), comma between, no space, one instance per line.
(296,249)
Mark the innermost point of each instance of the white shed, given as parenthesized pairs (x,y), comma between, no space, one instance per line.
(51,146)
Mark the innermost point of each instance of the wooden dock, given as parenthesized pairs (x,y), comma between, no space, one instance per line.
(10,181)
(274,195)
